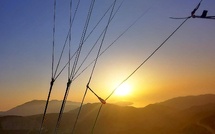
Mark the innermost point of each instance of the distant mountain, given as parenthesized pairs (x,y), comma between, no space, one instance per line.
(189,101)
(37,107)
(168,117)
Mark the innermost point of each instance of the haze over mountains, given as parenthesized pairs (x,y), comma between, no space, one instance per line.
(37,107)
(181,115)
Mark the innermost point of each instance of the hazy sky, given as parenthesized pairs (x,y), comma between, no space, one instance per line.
(183,66)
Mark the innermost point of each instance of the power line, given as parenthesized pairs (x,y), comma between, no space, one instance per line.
(53,37)
(68,34)
(98,38)
(53,79)
(146,59)
(84,41)
(192,15)
(52,66)
(74,65)
(131,25)
(87,87)
(104,35)
(71,57)
(138,69)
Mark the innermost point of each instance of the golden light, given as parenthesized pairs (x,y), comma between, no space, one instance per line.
(123,90)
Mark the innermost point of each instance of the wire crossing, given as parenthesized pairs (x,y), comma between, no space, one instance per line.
(71,57)
(109,20)
(87,87)
(74,66)
(54,75)
(137,70)
(72,73)
(204,15)
(82,39)
(68,34)
(129,27)
(98,37)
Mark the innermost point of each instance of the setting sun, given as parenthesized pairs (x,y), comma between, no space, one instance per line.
(123,90)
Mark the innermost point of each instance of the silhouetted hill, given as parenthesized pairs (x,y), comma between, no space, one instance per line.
(172,118)
(1,113)
(189,101)
(37,107)
(18,125)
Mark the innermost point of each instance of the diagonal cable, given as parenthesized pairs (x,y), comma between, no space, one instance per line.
(137,70)
(52,75)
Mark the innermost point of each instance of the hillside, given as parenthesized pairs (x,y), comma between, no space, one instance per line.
(152,119)
(37,107)
(189,101)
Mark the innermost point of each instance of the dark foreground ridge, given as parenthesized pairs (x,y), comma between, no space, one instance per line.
(182,115)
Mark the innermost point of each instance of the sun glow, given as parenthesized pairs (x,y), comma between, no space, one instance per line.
(123,90)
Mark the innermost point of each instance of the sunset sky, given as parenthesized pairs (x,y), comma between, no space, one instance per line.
(183,66)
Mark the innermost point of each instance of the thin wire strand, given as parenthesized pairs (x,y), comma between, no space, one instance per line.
(97,116)
(70,36)
(52,75)
(53,36)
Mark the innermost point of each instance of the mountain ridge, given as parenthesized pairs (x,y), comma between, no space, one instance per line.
(34,107)
(158,118)
(184,102)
